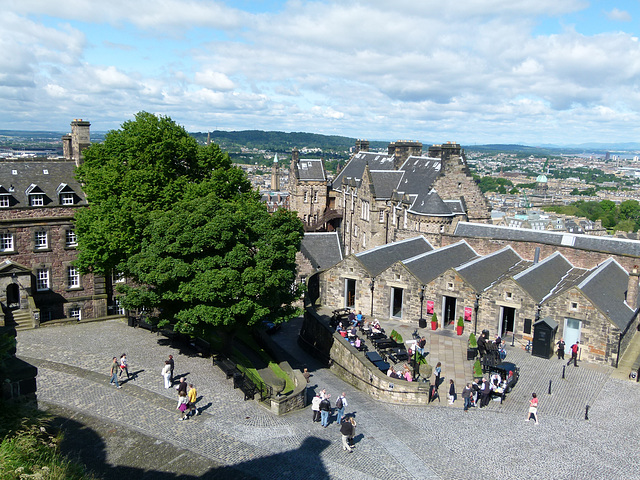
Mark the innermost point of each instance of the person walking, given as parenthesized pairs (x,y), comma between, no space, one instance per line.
(561,345)
(466,396)
(124,366)
(182,405)
(166,374)
(315,407)
(325,409)
(438,372)
(192,398)
(172,365)
(348,431)
(533,408)
(485,393)
(452,392)
(574,355)
(306,375)
(341,403)
(114,372)
(182,386)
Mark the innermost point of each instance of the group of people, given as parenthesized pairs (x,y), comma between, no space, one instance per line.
(404,374)
(118,367)
(478,393)
(187,398)
(574,352)
(322,410)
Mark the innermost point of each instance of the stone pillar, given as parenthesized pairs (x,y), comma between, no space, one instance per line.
(632,288)
(80,139)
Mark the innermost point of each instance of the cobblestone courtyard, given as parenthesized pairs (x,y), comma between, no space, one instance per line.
(238,439)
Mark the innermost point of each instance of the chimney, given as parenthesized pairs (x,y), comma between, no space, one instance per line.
(632,288)
(403,149)
(362,146)
(536,257)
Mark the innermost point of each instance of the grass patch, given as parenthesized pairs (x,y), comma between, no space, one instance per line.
(28,450)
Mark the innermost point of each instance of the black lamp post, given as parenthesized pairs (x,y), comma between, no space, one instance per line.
(372,287)
(422,323)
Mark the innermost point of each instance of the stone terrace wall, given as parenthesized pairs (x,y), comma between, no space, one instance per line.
(353,367)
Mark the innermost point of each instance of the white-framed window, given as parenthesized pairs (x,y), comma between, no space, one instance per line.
(574,305)
(119,308)
(6,242)
(42,240)
(42,279)
(365,210)
(315,196)
(450,286)
(404,224)
(66,198)
(364,240)
(70,238)
(117,277)
(306,197)
(4,201)
(75,312)
(508,295)
(36,199)
(381,216)
(73,277)
(355,230)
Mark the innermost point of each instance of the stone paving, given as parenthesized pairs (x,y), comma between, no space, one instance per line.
(243,440)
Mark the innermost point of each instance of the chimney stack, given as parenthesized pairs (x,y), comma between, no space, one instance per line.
(632,288)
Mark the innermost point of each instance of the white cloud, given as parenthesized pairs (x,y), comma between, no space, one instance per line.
(214,80)
(618,15)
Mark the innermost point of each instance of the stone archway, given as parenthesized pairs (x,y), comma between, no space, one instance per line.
(13,296)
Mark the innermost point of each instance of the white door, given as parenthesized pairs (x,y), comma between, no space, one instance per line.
(571,332)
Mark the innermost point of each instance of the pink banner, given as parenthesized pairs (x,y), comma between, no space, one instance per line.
(467,314)
(430,306)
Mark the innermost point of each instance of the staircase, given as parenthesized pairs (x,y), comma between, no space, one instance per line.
(630,359)
(22,319)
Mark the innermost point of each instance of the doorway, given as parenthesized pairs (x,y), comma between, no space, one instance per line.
(448,311)
(13,296)
(350,293)
(571,332)
(507,320)
(396,302)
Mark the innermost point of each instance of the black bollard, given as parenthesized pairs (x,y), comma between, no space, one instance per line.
(563,367)
(549,387)
(513,339)
(586,413)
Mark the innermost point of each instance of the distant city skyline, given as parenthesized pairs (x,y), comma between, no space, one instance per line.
(530,72)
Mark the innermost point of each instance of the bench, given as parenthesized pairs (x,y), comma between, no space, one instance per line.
(202,347)
(245,385)
(227,366)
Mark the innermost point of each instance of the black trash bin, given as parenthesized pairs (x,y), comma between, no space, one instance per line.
(237,380)
(131,321)
(422,323)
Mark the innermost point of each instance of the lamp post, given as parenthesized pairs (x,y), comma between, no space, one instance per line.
(372,287)
(422,323)
(476,305)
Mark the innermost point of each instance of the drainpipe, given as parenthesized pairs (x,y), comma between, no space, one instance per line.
(476,305)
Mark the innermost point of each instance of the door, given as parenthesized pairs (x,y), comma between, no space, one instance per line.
(507,319)
(396,302)
(571,332)
(350,293)
(13,296)
(448,311)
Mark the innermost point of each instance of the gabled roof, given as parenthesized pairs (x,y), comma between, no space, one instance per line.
(355,167)
(455,206)
(541,279)
(617,246)
(311,170)
(428,266)
(378,259)
(321,249)
(430,203)
(46,175)
(385,182)
(606,287)
(419,174)
(485,271)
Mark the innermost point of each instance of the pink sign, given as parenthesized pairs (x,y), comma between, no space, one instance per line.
(430,305)
(467,314)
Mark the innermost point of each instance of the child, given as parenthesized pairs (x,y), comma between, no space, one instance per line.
(182,404)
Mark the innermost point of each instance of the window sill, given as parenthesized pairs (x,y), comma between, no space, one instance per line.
(8,252)
(70,247)
(39,250)
(74,289)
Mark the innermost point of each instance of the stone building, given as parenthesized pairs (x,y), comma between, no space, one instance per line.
(38,199)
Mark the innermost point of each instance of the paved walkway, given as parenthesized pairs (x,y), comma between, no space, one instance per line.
(237,439)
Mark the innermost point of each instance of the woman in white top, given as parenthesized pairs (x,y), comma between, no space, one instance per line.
(166,373)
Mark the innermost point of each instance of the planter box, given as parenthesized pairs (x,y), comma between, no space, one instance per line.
(459,330)
(472,353)
(434,325)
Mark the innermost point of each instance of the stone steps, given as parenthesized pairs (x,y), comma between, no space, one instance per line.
(630,360)
(22,320)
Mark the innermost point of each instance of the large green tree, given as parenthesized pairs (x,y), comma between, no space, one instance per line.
(184,224)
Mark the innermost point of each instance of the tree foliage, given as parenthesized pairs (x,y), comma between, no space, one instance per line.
(184,224)
(624,217)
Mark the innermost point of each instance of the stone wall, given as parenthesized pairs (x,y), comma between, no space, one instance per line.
(296,400)
(353,367)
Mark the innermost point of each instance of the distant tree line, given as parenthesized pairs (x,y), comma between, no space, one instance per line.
(624,217)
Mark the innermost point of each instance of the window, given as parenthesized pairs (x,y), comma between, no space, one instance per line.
(66,198)
(117,277)
(119,308)
(450,286)
(75,312)
(6,242)
(404,224)
(306,197)
(508,295)
(41,240)
(527,326)
(36,199)
(315,197)
(574,305)
(70,239)
(365,211)
(42,279)
(381,216)
(4,201)
(73,277)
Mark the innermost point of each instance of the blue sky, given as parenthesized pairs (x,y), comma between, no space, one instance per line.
(471,71)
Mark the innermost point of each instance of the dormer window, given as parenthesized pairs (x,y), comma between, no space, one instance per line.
(35,195)
(5,197)
(66,194)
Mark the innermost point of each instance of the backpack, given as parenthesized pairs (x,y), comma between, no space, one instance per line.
(339,403)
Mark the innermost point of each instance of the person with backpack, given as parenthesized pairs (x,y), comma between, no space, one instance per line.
(341,403)
(574,355)
(348,431)
(325,409)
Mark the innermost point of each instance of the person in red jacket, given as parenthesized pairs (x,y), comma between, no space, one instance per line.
(574,355)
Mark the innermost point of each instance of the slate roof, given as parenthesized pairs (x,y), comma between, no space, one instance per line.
(483,272)
(428,266)
(606,288)
(542,278)
(385,182)
(321,249)
(616,246)
(378,259)
(49,177)
(355,167)
(311,170)
(430,203)
(455,206)
(419,174)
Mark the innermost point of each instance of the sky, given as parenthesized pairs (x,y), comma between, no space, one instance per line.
(471,71)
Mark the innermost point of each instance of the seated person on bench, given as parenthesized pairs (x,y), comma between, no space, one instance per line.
(359,319)
(375,327)
(420,345)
